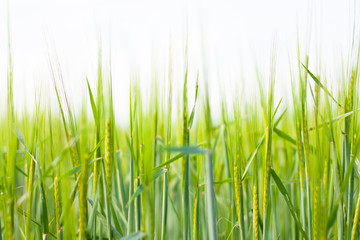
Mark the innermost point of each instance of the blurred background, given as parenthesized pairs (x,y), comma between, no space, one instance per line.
(228,41)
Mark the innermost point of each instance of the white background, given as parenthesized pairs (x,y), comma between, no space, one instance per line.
(234,37)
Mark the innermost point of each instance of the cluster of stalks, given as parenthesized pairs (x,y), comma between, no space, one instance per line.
(272,170)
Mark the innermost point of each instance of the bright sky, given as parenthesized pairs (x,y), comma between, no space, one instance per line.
(233,36)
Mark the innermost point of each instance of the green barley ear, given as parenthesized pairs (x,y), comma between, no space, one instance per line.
(267,168)
(194,217)
(108,158)
(256,212)
(356,219)
(57,198)
(237,186)
(73,153)
(8,227)
(316,217)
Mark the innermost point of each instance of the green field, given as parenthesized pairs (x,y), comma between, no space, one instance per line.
(269,170)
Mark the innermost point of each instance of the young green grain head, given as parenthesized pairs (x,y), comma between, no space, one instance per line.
(108,158)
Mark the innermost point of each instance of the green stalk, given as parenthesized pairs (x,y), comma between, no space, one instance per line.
(305,134)
(210,198)
(30,197)
(11,148)
(166,177)
(268,145)
(186,164)
(83,198)
(157,183)
(340,219)
(301,173)
(337,183)
(348,150)
(195,219)
(131,210)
